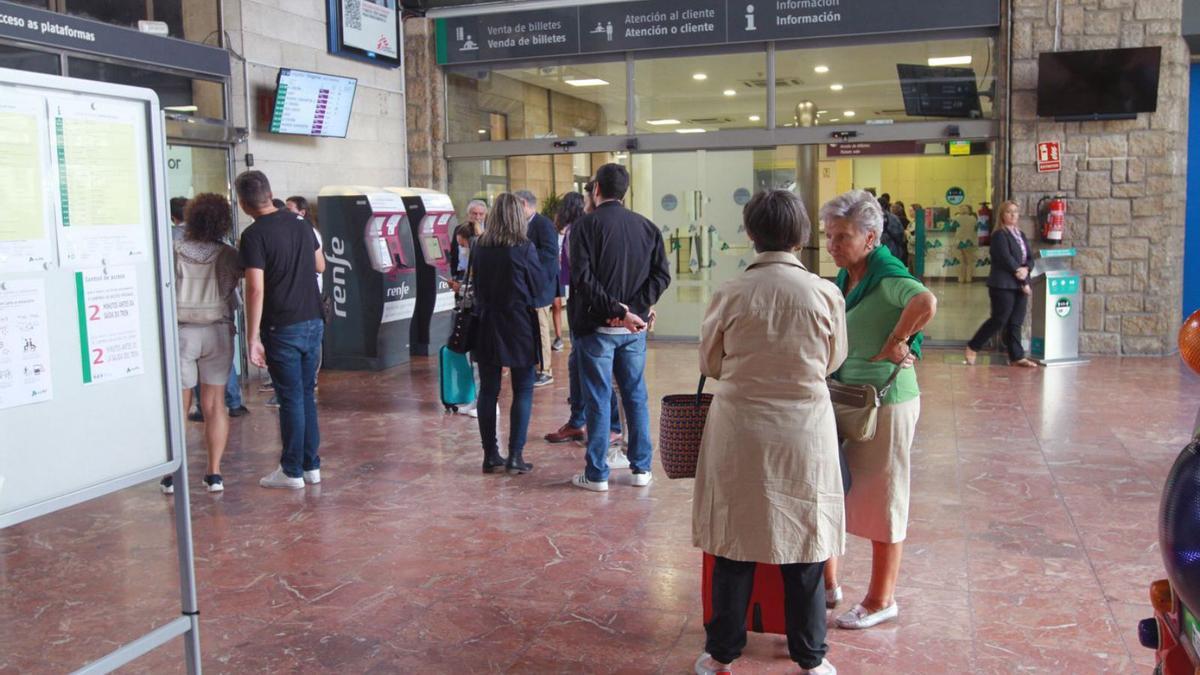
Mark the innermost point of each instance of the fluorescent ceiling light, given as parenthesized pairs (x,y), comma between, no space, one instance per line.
(754,118)
(822,112)
(848,113)
(690,131)
(836,119)
(587,82)
(699,77)
(181,108)
(483,131)
(836,87)
(950,61)
(730,92)
(821,69)
(659,123)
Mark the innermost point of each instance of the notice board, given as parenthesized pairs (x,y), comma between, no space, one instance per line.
(89,394)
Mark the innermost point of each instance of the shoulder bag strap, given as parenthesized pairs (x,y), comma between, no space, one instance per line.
(887,386)
(700,391)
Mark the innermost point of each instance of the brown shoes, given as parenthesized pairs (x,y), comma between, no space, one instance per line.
(565,434)
(1024,363)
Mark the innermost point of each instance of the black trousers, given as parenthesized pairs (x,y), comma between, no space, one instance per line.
(804,607)
(1008,313)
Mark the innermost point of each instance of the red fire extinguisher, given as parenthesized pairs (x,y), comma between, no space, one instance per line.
(1052,218)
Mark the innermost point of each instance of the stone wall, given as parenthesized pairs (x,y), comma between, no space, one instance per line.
(374,151)
(426,96)
(1124,180)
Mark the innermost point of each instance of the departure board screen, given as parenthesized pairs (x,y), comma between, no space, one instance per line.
(312,104)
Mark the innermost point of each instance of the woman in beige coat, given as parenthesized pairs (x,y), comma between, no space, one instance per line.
(768,482)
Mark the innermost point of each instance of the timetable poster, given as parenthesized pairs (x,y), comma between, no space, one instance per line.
(24,343)
(110,327)
(102,209)
(25,220)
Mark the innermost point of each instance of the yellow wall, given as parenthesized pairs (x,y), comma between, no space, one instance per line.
(925,179)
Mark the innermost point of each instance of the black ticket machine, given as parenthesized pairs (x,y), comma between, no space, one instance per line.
(432,222)
(370,278)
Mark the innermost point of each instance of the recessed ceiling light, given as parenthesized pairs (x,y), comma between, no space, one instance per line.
(483,131)
(699,77)
(822,112)
(821,69)
(690,131)
(848,113)
(836,119)
(181,108)
(950,61)
(730,92)
(659,123)
(587,82)
(836,87)
(754,118)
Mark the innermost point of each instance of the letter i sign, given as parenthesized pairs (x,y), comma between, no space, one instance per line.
(1048,158)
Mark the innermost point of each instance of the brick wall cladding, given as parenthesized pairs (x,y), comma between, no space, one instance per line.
(425,88)
(1124,180)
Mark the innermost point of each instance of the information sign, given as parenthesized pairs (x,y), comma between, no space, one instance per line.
(1048,157)
(312,104)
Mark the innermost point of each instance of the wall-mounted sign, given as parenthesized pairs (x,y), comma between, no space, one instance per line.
(367,29)
(959,148)
(955,196)
(870,149)
(741,196)
(658,24)
(1048,157)
(670,202)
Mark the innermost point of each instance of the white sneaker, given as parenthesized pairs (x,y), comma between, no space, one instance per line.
(859,618)
(833,597)
(707,665)
(472,412)
(581,481)
(641,479)
(279,479)
(312,477)
(826,668)
(617,459)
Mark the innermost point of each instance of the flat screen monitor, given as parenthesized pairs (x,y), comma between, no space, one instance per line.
(433,248)
(1098,83)
(312,104)
(939,91)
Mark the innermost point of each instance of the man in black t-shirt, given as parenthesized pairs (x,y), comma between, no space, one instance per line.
(284,326)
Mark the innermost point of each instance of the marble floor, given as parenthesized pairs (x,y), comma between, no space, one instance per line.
(1032,543)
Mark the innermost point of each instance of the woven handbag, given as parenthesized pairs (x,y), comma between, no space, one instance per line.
(680,428)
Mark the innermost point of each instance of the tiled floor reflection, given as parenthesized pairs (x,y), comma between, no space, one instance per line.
(1031,548)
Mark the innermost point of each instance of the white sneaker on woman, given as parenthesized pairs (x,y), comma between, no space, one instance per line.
(826,668)
(707,665)
(859,618)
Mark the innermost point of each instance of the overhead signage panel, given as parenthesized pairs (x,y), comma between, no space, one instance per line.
(658,24)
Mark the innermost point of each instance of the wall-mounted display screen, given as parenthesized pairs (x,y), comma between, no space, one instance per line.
(312,104)
(938,91)
(365,28)
(1098,83)
(433,248)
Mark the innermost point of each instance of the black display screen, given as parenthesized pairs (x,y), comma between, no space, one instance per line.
(1098,83)
(938,91)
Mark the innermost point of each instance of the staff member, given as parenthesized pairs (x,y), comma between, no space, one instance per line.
(1008,288)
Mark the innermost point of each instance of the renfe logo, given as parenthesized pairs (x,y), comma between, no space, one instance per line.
(400,291)
(340,267)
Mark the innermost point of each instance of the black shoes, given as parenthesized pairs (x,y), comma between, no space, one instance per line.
(494,463)
(517,465)
(239,411)
(196,416)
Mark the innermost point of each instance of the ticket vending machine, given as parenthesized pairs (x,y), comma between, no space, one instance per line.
(431,221)
(370,276)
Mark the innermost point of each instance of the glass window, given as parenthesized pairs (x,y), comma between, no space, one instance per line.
(195,20)
(693,94)
(853,84)
(546,101)
(40,4)
(29,60)
(176,93)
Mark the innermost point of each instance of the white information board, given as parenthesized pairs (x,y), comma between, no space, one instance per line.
(89,395)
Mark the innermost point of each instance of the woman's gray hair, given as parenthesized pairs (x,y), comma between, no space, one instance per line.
(859,207)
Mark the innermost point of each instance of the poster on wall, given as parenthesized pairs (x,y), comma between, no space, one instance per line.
(110,325)
(24,343)
(368,28)
(25,220)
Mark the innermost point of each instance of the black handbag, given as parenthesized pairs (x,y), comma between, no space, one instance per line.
(462,335)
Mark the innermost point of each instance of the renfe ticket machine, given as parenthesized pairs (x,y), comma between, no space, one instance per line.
(432,222)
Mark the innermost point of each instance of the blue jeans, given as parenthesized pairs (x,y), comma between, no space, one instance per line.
(574,385)
(292,355)
(603,358)
(518,415)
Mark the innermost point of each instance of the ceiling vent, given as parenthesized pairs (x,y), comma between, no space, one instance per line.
(780,83)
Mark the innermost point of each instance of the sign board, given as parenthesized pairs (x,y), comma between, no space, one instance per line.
(955,196)
(1048,157)
(658,24)
(369,29)
(960,148)
(874,149)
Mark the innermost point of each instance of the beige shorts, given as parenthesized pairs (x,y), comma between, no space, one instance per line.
(205,354)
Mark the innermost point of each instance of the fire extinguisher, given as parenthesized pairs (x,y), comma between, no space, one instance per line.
(1052,218)
(983,225)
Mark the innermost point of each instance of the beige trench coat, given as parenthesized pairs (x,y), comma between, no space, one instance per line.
(768,482)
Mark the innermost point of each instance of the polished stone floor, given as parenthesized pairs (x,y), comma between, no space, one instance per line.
(1032,544)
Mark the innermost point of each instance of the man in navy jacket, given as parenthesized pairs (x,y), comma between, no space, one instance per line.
(545,240)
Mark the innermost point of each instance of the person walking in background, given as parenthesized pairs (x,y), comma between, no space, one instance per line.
(1008,288)
(618,272)
(507,277)
(284,324)
(885,306)
(569,212)
(206,278)
(178,222)
(543,237)
(768,483)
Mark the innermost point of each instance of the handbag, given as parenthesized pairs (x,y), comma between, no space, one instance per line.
(466,323)
(681,428)
(856,406)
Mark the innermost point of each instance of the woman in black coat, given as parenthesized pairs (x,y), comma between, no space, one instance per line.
(505,278)
(1008,288)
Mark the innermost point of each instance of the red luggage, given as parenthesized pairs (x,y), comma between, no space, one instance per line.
(766,613)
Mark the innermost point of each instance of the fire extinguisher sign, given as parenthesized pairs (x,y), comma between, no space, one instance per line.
(1048,157)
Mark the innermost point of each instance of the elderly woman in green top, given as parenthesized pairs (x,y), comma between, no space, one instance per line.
(885,306)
